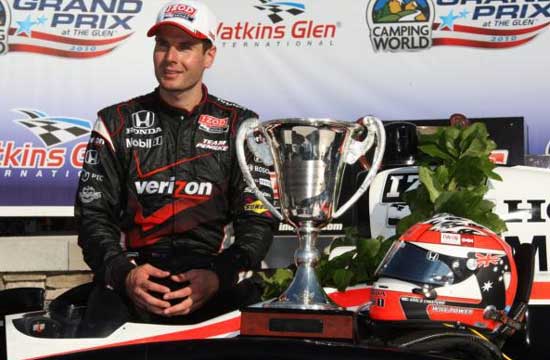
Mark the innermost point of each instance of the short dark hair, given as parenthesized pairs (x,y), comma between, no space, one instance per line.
(206,44)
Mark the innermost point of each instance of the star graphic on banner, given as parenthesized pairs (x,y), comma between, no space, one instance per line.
(487,286)
(41,20)
(25,26)
(448,21)
(463,14)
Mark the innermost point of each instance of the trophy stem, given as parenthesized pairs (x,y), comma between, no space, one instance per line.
(305,292)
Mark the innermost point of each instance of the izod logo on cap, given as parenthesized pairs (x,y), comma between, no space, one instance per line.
(180,10)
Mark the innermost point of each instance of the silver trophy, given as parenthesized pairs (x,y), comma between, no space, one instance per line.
(309,157)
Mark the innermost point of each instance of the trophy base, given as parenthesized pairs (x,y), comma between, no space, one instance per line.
(278,322)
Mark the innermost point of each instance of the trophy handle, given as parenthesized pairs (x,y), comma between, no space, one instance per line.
(261,151)
(375,129)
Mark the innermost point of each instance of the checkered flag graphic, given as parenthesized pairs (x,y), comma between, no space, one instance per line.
(53,130)
(277,10)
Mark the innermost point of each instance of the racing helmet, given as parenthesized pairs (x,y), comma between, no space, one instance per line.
(445,270)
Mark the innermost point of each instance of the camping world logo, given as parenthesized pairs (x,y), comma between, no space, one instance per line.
(66,28)
(478,24)
(400,25)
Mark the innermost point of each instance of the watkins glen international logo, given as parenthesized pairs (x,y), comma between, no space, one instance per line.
(66,28)
(479,24)
(277,24)
(49,154)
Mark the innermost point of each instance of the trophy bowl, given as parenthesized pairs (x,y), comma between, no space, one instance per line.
(309,157)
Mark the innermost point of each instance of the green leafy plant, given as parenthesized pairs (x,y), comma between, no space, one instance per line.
(355,266)
(453,177)
(275,284)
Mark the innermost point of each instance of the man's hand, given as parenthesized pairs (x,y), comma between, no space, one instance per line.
(139,286)
(203,284)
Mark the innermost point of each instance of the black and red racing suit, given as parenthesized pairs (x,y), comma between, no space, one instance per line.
(160,178)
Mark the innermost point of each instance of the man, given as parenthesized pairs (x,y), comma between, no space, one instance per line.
(160,184)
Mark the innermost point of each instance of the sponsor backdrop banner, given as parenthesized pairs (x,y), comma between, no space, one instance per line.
(62,60)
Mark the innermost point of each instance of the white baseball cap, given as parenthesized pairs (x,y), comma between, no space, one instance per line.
(193,17)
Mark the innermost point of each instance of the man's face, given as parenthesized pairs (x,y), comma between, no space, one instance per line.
(180,59)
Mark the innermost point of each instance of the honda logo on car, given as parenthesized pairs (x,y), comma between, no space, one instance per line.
(179,188)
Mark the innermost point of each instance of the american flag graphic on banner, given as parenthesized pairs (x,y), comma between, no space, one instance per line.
(460,30)
(80,30)
(63,46)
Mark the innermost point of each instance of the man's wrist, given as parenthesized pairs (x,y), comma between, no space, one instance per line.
(227,266)
(117,271)
(226,279)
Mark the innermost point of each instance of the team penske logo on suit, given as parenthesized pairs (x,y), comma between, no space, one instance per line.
(213,124)
(215,145)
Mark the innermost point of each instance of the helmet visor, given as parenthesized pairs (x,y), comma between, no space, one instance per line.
(411,263)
